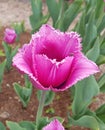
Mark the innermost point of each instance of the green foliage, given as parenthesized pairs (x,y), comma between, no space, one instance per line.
(100,112)
(90,32)
(94,52)
(2,127)
(14,126)
(49,97)
(27,125)
(101,25)
(9,53)
(19,28)
(85,90)
(62,14)
(101,80)
(37,18)
(85,121)
(101,83)
(42,122)
(2,68)
(50,111)
(1,53)
(54,8)
(24,93)
(91,26)
(70,14)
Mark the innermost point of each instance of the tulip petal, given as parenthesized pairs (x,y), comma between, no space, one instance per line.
(55,44)
(72,45)
(81,68)
(50,72)
(49,42)
(22,61)
(54,125)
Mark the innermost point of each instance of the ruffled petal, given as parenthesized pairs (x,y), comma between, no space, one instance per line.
(23,59)
(50,72)
(72,44)
(55,44)
(54,125)
(49,42)
(81,68)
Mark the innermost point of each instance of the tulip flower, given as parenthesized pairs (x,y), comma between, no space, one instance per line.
(53,60)
(9,36)
(54,125)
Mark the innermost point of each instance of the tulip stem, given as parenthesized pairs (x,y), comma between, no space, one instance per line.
(40,107)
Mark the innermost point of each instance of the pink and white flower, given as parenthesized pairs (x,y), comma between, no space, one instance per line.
(53,60)
(9,36)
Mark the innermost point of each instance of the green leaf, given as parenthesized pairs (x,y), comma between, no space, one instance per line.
(36,24)
(85,121)
(101,81)
(14,126)
(2,68)
(50,110)
(42,122)
(1,53)
(101,60)
(102,25)
(100,112)
(27,81)
(85,90)
(37,18)
(9,54)
(27,125)
(14,51)
(81,25)
(70,14)
(49,96)
(99,8)
(90,33)
(2,127)
(94,52)
(23,93)
(36,6)
(7,49)
(102,51)
(54,9)
(19,27)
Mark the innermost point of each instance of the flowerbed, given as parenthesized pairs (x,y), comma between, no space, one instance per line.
(56,85)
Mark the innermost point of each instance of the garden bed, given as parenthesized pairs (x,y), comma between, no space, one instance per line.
(10,105)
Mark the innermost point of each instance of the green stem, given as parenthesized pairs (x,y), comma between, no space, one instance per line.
(40,107)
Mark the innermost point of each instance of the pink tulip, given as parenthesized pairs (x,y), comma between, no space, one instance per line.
(54,125)
(53,60)
(9,36)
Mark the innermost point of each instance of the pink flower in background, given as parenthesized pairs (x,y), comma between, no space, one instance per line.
(53,60)
(54,125)
(9,36)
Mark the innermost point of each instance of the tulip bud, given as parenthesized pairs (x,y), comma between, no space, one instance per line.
(9,36)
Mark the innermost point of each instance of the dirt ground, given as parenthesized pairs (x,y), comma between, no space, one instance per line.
(14,11)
